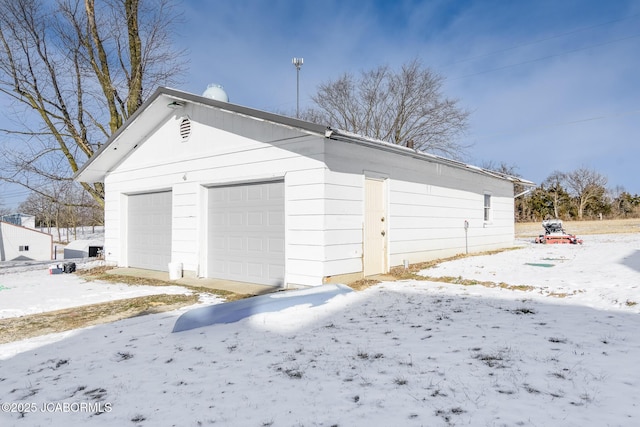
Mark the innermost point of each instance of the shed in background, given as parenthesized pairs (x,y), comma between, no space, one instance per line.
(20,219)
(83,248)
(18,243)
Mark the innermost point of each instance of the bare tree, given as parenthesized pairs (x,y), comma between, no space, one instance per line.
(47,211)
(76,70)
(555,191)
(405,107)
(624,204)
(3,210)
(67,208)
(587,186)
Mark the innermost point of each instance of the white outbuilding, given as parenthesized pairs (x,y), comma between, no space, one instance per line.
(18,243)
(83,248)
(235,193)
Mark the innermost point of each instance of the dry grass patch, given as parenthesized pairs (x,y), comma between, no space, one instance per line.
(14,329)
(411,273)
(102,274)
(362,284)
(399,272)
(607,226)
(468,282)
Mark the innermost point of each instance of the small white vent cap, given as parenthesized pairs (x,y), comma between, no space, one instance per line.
(215,91)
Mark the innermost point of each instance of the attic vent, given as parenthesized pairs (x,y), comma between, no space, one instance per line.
(185,129)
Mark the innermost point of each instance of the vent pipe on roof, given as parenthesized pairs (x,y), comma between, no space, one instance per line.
(215,91)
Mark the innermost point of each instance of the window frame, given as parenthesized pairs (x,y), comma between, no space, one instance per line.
(486,208)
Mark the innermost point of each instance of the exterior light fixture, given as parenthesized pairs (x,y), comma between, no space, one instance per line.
(174,105)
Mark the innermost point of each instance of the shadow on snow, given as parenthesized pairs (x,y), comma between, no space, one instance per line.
(230,312)
(632,261)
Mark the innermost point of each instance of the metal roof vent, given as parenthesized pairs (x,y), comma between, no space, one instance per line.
(216,92)
(185,129)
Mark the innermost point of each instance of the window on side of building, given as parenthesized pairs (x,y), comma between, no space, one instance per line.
(23,248)
(487,207)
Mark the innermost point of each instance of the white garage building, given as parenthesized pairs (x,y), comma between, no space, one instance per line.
(18,243)
(245,195)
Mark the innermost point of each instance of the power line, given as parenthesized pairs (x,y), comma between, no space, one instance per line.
(578,30)
(9,194)
(560,124)
(545,57)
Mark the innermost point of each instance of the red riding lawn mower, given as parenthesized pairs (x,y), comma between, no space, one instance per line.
(554,233)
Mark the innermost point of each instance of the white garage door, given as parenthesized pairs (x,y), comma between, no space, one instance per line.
(149,241)
(246,233)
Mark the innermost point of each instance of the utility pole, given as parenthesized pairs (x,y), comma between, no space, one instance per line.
(297,62)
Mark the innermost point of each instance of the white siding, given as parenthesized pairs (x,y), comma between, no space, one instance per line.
(344,217)
(186,229)
(304,236)
(115,236)
(427,221)
(35,245)
(324,214)
(427,202)
(213,156)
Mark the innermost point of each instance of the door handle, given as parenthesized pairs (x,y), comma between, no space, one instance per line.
(383,232)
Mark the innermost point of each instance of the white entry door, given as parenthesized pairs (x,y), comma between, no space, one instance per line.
(375,227)
(246,233)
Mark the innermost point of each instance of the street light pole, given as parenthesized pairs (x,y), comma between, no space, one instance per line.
(297,62)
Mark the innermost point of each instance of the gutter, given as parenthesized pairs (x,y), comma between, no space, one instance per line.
(527,191)
(339,135)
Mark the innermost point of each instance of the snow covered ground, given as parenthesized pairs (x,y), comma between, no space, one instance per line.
(30,289)
(407,353)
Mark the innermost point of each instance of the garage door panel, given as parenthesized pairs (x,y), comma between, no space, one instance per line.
(235,267)
(237,246)
(217,269)
(254,193)
(255,245)
(217,196)
(255,270)
(276,219)
(217,220)
(149,230)
(276,246)
(235,219)
(218,244)
(276,271)
(255,219)
(246,233)
(276,192)
(234,194)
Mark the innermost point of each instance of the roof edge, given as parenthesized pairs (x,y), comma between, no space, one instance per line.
(26,228)
(198,99)
(338,134)
(325,131)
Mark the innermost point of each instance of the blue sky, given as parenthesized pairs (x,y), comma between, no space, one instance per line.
(552,85)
